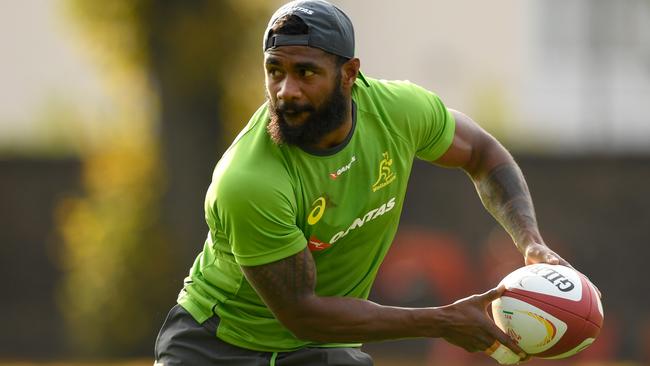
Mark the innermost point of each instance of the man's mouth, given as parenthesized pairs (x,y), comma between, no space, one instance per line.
(293,117)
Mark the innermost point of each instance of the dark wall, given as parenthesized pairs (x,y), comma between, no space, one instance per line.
(594,211)
(29,192)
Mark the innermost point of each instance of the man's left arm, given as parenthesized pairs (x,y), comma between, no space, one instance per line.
(500,185)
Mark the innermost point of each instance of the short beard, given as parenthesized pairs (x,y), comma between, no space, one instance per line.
(320,122)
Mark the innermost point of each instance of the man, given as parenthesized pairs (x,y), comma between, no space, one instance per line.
(304,204)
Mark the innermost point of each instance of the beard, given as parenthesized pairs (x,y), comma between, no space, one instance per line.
(319,122)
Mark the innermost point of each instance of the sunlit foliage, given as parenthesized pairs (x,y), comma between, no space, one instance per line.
(118,258)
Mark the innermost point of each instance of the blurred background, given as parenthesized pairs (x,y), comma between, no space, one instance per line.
(113,114)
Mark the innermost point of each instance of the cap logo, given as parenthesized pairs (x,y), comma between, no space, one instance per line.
(303,10)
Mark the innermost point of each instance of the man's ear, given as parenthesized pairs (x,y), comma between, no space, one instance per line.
(350,72)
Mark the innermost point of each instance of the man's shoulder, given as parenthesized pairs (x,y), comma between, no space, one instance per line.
(393,92)
(385,85)
(252,166)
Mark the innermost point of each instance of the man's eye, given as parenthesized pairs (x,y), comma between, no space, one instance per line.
(275,73)
(307,73)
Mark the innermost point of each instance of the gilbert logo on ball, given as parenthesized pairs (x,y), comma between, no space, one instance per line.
(551,311)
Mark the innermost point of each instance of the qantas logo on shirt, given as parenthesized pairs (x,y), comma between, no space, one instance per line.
(386,174)
(317,211)
(316,245)
(369,216)
(343,169)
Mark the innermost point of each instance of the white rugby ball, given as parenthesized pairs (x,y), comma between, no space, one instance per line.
(551,311)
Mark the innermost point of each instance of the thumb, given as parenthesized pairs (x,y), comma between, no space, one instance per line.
(493,294)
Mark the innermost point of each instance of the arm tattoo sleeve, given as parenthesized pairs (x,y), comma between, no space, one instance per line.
(505,195)
(285,280)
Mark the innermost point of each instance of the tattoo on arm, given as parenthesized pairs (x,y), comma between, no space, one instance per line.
(505,195)
(285,281)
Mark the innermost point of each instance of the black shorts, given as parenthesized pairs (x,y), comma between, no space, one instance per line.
(183,341)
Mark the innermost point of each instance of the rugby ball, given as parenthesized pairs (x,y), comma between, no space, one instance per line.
(551,311)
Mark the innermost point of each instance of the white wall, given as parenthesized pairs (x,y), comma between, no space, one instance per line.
(543,75)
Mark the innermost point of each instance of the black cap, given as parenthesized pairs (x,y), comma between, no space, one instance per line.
(330,29)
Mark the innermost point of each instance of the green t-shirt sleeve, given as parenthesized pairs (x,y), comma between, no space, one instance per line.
(258,219)
(437,130)
(431,126)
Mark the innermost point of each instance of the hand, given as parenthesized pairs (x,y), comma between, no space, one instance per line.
(540,253)
(468,325)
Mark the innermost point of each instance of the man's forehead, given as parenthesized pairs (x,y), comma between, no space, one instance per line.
(294,54)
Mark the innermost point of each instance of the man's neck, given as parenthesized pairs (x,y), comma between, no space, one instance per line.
(337,136)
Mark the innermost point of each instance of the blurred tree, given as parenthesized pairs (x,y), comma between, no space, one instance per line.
(185,76)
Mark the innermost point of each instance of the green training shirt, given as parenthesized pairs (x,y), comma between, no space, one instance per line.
(268,201)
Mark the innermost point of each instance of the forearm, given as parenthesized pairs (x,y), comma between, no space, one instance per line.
(504,193)
(288,289)
(343,319)
(497,178)
(463,323)
(288,286)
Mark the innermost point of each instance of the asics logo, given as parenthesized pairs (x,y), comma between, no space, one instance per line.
(317,211)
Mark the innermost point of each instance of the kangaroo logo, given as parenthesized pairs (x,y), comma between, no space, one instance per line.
(386,175)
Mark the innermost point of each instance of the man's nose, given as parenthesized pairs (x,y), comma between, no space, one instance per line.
(289,90)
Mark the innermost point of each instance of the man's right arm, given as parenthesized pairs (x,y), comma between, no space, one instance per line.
(288,289)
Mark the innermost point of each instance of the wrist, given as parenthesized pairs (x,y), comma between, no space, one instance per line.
(525,241)
(431,322)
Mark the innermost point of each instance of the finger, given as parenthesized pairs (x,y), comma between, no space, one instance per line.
(562,261)
(600,295)
(505,340)
(503,355)
(540,253)
(551,258)
(490,350)
(493,294)
(512,346)
(565,263)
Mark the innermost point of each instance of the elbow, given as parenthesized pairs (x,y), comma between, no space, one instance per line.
(486,155)
(305,324)
(305,328)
